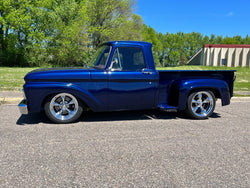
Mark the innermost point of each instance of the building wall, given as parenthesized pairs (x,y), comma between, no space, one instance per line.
(221,55)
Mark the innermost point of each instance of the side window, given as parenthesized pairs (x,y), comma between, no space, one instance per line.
(116,56)
(129,59)
(102,59)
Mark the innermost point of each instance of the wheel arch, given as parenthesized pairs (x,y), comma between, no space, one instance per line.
(84,104)
(215,91)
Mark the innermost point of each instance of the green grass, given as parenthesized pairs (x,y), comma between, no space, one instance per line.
(242,82)
(12,78)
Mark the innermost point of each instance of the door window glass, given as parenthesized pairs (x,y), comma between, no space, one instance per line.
(129,59)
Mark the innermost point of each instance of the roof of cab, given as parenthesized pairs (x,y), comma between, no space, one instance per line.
(133,43)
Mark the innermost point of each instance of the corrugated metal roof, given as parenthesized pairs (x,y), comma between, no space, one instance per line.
(226,46)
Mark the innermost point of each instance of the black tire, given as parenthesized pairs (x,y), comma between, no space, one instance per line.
(63,108)
(201,104)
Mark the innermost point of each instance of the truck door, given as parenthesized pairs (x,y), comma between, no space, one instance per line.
(131,85)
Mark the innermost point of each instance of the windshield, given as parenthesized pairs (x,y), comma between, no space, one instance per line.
(100,57)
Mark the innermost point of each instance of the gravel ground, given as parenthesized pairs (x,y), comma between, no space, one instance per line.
(126,149)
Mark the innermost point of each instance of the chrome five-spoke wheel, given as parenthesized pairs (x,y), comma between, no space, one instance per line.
(201,104)
(63,108)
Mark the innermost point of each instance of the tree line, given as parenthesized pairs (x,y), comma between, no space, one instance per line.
(68,32)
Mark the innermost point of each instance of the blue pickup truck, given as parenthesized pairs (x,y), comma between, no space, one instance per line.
(123,77)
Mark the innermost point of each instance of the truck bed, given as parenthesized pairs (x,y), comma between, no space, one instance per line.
(169,80)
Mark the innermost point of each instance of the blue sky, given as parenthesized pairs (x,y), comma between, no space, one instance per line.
(219,17)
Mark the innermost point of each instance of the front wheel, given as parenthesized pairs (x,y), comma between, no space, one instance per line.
(63,108)
(200,104)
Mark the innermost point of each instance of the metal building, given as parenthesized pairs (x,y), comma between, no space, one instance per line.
(222,55)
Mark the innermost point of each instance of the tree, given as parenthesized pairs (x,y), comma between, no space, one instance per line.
(246,40)
(43,31)
(69,44)
(150,35)
(230,40)
(15,29)
(106,17)
(130,29)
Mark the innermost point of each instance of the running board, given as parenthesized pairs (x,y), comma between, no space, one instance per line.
(168,108)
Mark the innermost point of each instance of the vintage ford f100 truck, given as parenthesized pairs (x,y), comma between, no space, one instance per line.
(123,77)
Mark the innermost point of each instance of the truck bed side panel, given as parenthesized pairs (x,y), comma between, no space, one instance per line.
(170,83)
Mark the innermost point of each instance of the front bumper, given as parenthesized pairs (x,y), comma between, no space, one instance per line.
(23,107)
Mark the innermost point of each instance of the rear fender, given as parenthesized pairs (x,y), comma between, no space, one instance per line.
(36,94)
(186,87)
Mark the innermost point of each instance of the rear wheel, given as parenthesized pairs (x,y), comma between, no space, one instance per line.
(63,108)
(200,104)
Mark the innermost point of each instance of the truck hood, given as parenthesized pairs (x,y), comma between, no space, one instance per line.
(58,74)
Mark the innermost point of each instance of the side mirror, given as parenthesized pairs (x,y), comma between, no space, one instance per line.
(114,62)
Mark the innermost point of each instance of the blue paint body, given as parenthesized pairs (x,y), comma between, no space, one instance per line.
(111,90)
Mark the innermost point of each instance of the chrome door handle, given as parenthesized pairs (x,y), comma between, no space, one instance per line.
(147,72)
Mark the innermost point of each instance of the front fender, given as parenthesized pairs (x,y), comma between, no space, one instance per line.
(187,86)
(36,93)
